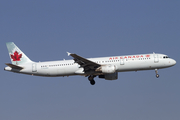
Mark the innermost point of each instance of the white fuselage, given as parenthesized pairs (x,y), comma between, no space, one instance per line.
(121,63)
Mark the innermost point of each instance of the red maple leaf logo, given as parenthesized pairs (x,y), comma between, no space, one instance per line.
(147,55)
(16,56)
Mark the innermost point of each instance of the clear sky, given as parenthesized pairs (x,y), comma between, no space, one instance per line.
(46,29)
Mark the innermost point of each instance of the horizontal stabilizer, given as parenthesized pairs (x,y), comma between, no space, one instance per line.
(14,66)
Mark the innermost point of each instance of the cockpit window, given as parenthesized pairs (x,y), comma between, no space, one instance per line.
(166,57)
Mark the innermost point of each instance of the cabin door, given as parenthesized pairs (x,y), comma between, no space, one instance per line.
(34,67)
(156,58)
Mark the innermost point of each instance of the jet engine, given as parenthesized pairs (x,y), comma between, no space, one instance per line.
(107,69)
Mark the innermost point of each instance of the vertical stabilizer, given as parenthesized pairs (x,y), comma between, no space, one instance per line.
(16,55)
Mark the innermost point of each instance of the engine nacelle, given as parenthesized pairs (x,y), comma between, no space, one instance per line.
(107,69)
(112,76)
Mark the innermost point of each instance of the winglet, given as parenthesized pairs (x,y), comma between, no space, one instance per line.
(68,53)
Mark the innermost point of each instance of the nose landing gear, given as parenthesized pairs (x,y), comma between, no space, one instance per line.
(156,71)
(91,79)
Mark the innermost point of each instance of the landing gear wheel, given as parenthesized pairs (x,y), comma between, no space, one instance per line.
(92,82)
(156,71)
(91,79)
(157,75)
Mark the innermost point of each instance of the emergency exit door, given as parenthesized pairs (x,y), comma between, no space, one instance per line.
(122,61)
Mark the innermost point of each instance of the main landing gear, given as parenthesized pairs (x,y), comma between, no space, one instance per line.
(91,79)
(156,71)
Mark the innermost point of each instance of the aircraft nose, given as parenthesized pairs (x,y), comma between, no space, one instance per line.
(174,62)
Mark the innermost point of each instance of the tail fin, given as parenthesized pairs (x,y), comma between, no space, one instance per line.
(16,55)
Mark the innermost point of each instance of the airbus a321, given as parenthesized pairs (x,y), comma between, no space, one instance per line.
(104,67)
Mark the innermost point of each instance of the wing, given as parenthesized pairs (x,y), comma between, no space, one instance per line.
(85,63)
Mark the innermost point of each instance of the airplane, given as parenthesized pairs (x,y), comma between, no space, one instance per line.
(104,67)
